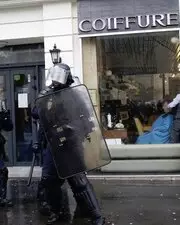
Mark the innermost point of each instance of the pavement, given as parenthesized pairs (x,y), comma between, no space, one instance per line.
(122,202)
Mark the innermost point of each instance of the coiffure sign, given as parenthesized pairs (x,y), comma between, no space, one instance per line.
(111,16)
(129,22)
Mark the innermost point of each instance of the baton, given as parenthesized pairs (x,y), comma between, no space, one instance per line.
(34,158)
(31,170)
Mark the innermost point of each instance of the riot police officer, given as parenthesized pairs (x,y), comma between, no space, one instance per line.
(82,189)
(6,125)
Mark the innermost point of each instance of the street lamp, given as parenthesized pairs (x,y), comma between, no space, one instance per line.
(55,55)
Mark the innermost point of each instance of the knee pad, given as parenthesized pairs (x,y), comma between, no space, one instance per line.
(78,183)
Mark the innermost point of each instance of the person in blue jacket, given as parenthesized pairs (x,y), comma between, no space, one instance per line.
(161,128)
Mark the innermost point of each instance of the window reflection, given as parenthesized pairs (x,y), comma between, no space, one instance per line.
(23,123)
(138,77)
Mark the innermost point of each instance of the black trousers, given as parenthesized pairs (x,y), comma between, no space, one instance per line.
(82,190)
(85,196)
(50,191)
(175,133)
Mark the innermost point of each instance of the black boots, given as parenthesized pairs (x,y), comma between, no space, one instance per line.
(53,200)
(53,218)
(6,203)
(98,221)
(84,215)
(44,207)
(86,199)
(3,188)
(89,206)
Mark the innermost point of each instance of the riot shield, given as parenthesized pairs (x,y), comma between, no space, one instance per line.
(72,131)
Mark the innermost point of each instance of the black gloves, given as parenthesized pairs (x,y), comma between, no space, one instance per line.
(36,148)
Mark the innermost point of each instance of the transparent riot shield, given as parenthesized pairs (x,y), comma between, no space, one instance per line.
(72,130)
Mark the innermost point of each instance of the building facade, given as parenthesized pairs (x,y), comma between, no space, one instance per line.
(127,54)
(130,63)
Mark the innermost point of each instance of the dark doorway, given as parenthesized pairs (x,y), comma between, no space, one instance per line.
(19,87)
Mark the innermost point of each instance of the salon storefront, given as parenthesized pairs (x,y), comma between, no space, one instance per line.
(130,63)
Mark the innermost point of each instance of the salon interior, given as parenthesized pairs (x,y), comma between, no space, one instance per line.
(135,73)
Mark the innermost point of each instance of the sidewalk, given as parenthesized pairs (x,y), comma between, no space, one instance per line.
(23,172)
(123,203)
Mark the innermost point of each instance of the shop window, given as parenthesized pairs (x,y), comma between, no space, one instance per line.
(138,76)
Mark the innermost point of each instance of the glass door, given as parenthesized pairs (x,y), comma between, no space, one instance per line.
(5,96)
(23,96)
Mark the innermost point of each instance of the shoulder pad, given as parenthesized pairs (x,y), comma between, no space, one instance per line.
(45,91)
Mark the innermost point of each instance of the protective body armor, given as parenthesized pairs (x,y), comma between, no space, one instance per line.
(72,130)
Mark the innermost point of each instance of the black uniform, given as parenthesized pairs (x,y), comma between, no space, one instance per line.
(6,125)
(52,199)
(82,189)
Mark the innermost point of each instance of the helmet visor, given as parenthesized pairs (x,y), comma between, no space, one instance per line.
(59,75)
